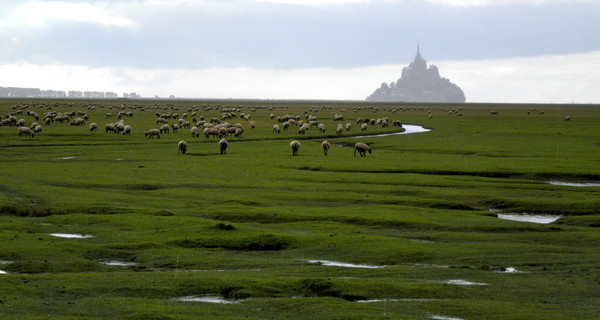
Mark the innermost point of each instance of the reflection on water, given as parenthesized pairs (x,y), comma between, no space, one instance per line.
(344,264)
(542,219)
(208,299)
(574,184)
(408,129)
(71,235)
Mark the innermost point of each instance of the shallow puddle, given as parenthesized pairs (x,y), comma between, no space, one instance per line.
(3,272)
(509,270)
(208,299)
(435,317)
(117,263)
(71,235)
(395,300)
(409,129)
(344,264)
(460,282)
(573,184)
(62,158)
(542,219)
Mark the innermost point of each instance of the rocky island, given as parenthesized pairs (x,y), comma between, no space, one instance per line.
(419,83)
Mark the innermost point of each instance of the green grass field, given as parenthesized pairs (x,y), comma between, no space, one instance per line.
(415,221)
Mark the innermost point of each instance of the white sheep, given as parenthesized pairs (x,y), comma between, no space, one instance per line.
(348,126)
(93,126)
(223,144)
(321,127)
(195,132)
(127,130)
(326,146)
(152,132)
(238,132)
(295,146)
(165,128)
(362,148)
(276,128)
(182,147)
(364,127)
(25,131)
(37,129)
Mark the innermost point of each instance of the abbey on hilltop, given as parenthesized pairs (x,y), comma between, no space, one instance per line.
(419,83)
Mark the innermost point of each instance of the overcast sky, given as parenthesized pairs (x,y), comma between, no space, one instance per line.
(495,50)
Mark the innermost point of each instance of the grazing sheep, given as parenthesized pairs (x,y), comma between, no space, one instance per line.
(175,127)
(303,129)
(238,132)
(182,147)
(127,130)
(195,132)
(364,127)
(348,126)
(321,127)
(25,131)
(276,128)
(211,132)
(37,129)
(152,132)
(93,126)
(223,146)
(568,118)
(326,146)
(252,124)
(110,127)
(165,128)
(339,130)
(362,148)
(295,146)
(494,113)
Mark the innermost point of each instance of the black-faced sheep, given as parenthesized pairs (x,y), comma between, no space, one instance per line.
(181,147)
(321,127)
(276,128)
(127,130)
(362,148)
(348,126)
(326,146)
(364,127)
(165,128)
(152,132)
(223,144)
(295,146)
(93,126)
(37,129)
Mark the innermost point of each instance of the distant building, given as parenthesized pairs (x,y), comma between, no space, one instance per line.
(419,83)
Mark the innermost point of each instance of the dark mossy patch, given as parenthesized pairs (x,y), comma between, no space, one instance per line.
(325,288)
(224,227)
(266,242)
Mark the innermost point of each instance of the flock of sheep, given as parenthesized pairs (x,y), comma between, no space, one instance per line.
(210,127)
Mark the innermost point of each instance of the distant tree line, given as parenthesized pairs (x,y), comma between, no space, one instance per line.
(14,92)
